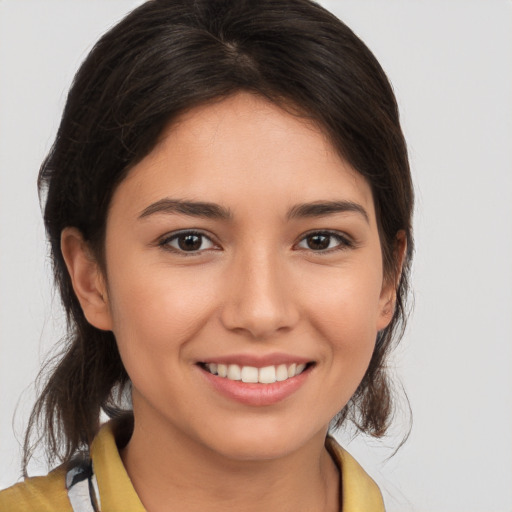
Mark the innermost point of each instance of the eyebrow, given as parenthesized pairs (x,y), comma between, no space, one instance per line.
(192,208)
(216,211)
(323,208)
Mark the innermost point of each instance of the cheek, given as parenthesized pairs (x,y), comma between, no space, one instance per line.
(345,312)
(154,310)
(346,304)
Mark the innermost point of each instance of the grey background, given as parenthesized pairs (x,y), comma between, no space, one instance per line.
(451,66)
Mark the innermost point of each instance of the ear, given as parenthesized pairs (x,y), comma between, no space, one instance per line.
(87,278)
(390,284)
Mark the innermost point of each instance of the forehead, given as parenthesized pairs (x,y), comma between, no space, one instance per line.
(244,151)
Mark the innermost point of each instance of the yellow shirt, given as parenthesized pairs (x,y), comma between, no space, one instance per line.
(48,493)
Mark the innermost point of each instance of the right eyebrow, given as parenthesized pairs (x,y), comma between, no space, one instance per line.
(324,208)
(184,207)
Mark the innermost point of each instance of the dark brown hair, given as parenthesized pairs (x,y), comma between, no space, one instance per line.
(168,56)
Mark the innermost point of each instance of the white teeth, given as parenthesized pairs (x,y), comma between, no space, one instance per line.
(222,370)
(281,372)
(251,374)
(300,369)
(234,372)
(267,375)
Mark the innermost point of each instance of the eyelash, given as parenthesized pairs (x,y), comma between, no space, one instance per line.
(343,242)
(165,243)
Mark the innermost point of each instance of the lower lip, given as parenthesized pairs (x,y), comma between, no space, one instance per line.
(256,394)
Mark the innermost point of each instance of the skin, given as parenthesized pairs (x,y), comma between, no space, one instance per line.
(254,287)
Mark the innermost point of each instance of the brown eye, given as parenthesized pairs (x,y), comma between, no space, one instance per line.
(318,242)
(190,242)
(187,241)
(324,242)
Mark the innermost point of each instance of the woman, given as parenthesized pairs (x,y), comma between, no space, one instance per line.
(228,202)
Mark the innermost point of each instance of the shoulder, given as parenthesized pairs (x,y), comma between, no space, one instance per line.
(358,489)
(41,493)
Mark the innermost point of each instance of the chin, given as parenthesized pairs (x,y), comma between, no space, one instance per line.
(263,440)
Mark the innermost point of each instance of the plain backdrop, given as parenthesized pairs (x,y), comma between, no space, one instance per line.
(450,62)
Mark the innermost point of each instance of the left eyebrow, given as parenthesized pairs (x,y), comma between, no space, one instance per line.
(192,208)
(322,208)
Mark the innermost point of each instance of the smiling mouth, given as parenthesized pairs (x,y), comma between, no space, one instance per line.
(252,374)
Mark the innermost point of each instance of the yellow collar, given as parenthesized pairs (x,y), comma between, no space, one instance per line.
(358,491)
(114,484)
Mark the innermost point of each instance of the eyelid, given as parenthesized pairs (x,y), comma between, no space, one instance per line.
(345,241)
(164,241)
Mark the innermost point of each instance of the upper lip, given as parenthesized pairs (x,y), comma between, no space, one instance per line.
(258,361)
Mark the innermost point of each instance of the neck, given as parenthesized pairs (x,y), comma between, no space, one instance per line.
(171,471)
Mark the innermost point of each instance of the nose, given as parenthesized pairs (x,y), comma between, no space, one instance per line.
(259,297)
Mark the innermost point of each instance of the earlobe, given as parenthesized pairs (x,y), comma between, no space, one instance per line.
(387,307)
(87,279)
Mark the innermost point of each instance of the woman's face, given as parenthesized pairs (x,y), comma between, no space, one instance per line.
(243,244)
